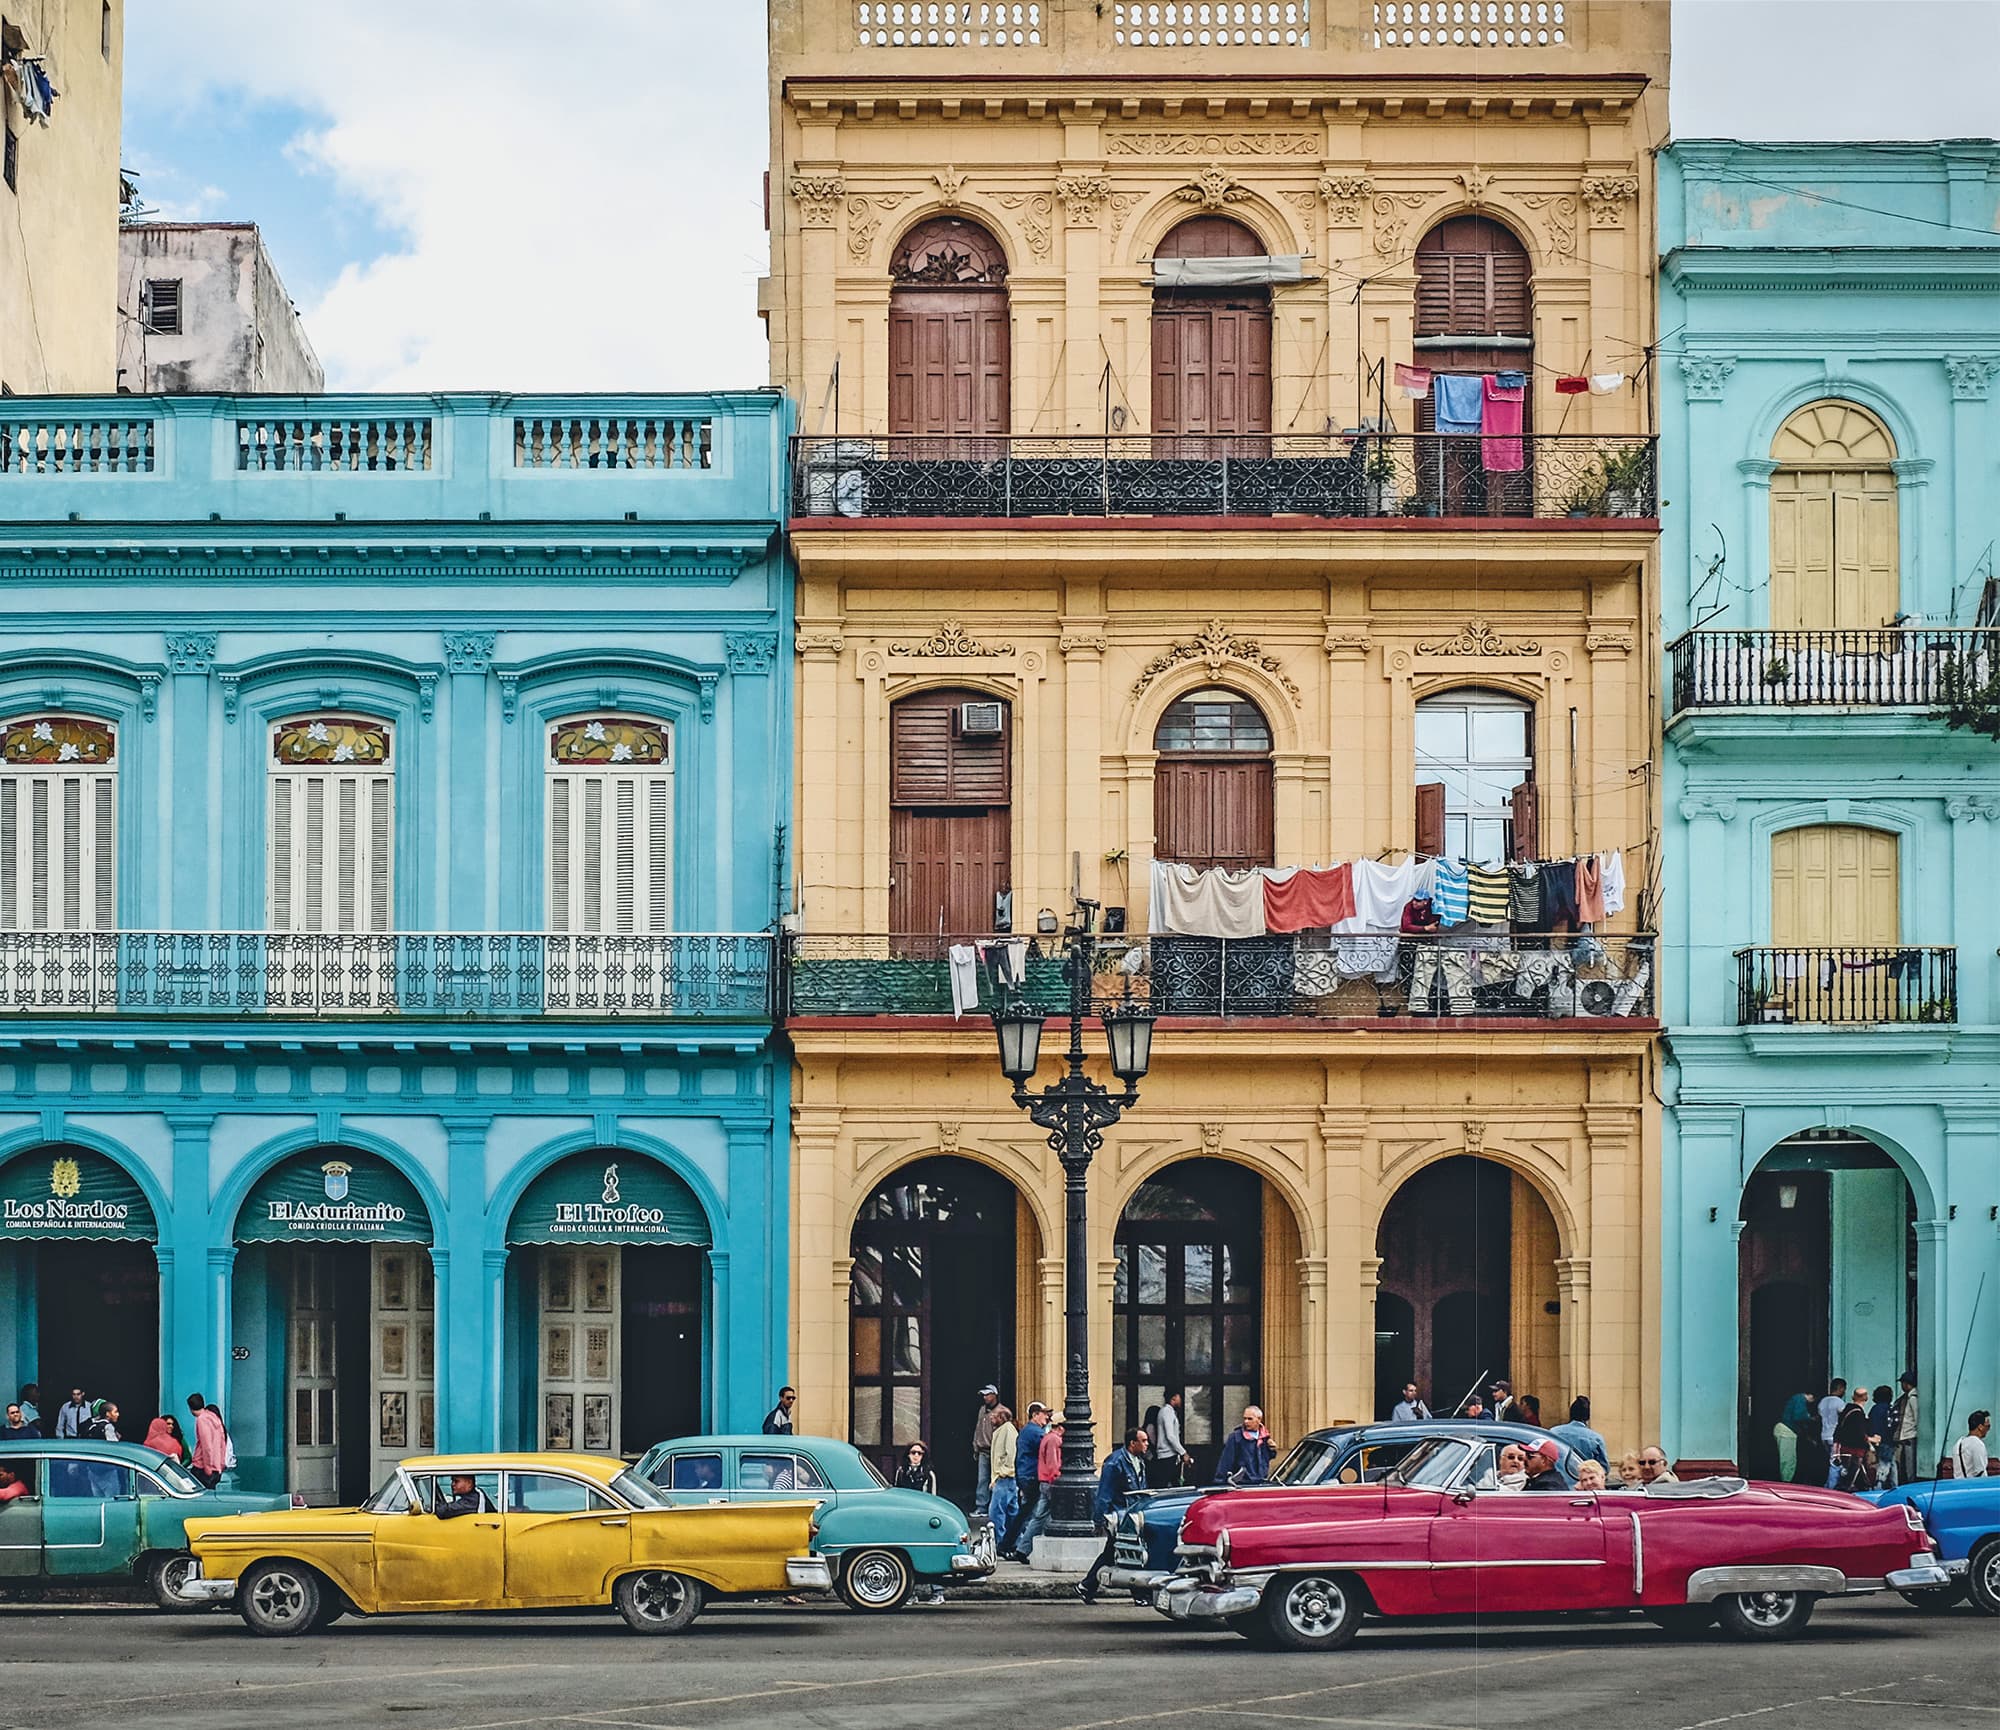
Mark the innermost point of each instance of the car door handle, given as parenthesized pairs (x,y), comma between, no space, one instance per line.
(1583,1501)
(619,1522)
(487,1525)
(718,1501)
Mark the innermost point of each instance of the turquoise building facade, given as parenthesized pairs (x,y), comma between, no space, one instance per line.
(393,802)
(1829,441)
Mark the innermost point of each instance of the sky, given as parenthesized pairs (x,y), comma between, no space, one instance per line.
(510,195)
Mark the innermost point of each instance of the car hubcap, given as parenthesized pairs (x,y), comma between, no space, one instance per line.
(280,1597)
(1990,1578)
(177,1573)
(1767,1609)
(658,1597)
(876,1579)
(1314,1607)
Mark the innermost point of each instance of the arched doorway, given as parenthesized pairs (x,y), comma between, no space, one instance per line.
(1211,348)
(335,1308)
(79,1282)
(932,1312)
(1212,795)
(1834,558)
(607,1299)
(1188,1302)
(951,815)
(948,341)
(1826,1279)
(1474,316)
(1468,1251)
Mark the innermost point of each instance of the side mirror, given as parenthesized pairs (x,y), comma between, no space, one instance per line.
(1462,1497)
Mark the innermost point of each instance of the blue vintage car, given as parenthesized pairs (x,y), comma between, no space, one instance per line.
(1963,1515)
(881,1542)
(103,1512)
(1150,1527)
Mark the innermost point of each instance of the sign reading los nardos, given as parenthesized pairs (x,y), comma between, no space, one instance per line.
(72,1194)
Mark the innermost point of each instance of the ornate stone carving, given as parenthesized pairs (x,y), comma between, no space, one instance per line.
(1558,213)
(1346,645)
(1392,218)
(1973,808)
(232,695)
(1344,195)
(750,652)
(1608,643)
(1036,209)
(1212,188)
(1705,375)
(1081,195)
(1173,142)
(947,1139)
(1475,184)
(1720,806)
(950,184)
(1480,641)
(1305,205)
(706,683)
(1475,1135)
(469,651)
(1216,647)
(864,222)
(1970,374)
(1606,195)
(1082,643)
(821,642)
(1122,206)
(149,695)
(818,197)
(427,696)
(191,651)
(1211,1139)
(950,642)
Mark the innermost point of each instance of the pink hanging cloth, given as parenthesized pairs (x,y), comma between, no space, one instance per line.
(1501,423)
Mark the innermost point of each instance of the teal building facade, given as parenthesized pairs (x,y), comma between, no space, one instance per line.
(1830,398)
(393,800)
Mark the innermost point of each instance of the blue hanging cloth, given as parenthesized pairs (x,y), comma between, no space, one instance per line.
(1461,401)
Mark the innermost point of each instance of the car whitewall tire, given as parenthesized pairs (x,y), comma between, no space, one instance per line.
(876,1580)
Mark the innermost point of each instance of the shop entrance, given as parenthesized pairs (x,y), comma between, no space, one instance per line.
(615,1273)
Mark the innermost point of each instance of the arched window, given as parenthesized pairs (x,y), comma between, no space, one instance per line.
(1835,884)
(1475,777)
(950,814)
(1212,782)
(610,825)
(1834,563)
(948,334)
(331,841)
(1211,346)
(58,824)
(1474,315)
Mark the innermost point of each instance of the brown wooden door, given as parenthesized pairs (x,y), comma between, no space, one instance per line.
(1211,371)
(948,365)
(1473,280)
(945,867)
(1213,810)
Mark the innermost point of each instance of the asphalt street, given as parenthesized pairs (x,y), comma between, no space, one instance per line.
(1053,1666)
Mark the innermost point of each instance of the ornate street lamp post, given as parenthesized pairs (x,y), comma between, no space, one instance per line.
(1075,1111)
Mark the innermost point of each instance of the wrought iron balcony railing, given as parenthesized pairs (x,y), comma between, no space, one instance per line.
(1914,667)
(1846,984)
(1543,476)
(699,976)
(1310,975)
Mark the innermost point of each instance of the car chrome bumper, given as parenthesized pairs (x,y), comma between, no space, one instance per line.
(1186,1600)
(197,1589)
(1919,1579)
(808,1574)
(1148,1580)
(972,1563)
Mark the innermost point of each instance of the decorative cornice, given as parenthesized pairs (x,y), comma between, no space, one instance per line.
(1212,188)
(705,687)
(1215,145)
(1973,808)
(1608,643)
(1081,195)
(1818,270)
(1479,641)
(818,197)
(1216,647)
(191,651)
(1606,195)
(950,185)
(828,643)
(949,642)
(1970,375)
(469,651)
(750,653)
(1082,643)
(1344,195)
(1705,375)
(1720,806)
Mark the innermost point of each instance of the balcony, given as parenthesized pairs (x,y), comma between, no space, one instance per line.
(1450,479)
(1911,668)
(685,976)
(1355,980)
(1846,985)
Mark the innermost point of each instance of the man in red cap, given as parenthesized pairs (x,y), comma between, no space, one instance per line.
(1542,1473)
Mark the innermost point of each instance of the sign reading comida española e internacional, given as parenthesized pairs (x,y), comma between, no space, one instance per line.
(333,1195)
(72,1193)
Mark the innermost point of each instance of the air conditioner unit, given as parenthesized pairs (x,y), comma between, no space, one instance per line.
(980,720)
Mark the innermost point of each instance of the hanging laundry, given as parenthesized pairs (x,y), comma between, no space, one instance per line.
(1380,894)
(1213,903)
(1461,400)
(1500,449)
(1511,378)
(1448,890)
(1524,898)
(32,89)
(1604,383)
(1569,385)
(1010,961)
(1614,883)
(1305,900)
(1413,380)
(1486,895)
(964,963)
(1589,889)
(1559,895)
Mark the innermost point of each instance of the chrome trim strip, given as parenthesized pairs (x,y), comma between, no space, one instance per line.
(1705,1585)
(223,1539)
(1638,1556)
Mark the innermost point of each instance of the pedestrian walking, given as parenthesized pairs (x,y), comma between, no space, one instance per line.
(1969,1458)
(1832,1403)
(982,1449)
(1027,1486)
(1581,1439)
(1048,1468)
(1852,1440)
(778,1420)
(163,1436)
(1249,1451)
(102,1424)
(1789,1432)
(1881,1419)
(1005,1508)
(1410,1409)
(1168,1464)
(1123,1477)
(211,1441)
(1901,1445)
(73,1415)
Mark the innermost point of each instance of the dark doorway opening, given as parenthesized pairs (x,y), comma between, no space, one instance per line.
(661,1353)
(1446,1244)
(97,1309)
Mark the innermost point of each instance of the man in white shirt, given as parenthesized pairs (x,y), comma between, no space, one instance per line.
(1830,1409)
(1410,1409)
(1902,1444)
(1968,1454)
(1170,1454)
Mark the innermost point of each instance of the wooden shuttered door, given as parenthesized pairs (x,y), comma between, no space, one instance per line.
(1833,550)
(332,840)
(1834,884)
(1473,280)
(610,861)
(1213,811)
(1525,803)
(1211,348)
(948,364)
(951,817)
(1430,818)
(58,850)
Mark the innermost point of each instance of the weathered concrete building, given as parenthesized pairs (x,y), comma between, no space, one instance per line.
(201,308)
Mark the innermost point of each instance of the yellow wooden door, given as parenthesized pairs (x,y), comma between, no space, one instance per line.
(1833,884)
(1834,563)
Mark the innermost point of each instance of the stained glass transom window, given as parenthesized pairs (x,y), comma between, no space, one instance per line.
(330,739)
(51,739)
(608,739)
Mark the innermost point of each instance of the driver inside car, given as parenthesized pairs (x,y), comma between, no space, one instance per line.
(466,1498)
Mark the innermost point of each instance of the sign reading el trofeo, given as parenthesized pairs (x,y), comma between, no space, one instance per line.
(608,1217)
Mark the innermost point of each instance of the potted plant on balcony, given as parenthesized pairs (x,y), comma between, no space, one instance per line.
(1626,470)
(1589,497)
(1380,472)
(1966,688)
(1777,671)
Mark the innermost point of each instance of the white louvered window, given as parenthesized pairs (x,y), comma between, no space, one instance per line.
(58,825)
(332,826)
(610,826)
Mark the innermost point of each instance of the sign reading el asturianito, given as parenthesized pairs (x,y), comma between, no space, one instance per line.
(333,1195)
(70,1193)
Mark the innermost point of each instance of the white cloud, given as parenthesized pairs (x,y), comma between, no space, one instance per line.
(579,188)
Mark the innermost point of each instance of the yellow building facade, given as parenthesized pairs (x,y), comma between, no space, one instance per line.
(1117,541)
(59,239)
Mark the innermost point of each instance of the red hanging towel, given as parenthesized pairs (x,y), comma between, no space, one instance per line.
(1309,900)
(1413,380)
(1503,409)
(1572,386)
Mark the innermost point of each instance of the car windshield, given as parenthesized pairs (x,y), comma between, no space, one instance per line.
(178,1478)
(637,1493)
(1309,1462)
(392,1498)
(1433,1464)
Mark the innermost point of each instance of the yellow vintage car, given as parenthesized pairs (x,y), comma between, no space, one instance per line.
(502,1532)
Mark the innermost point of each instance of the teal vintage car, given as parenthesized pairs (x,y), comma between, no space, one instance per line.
(881,1542)
(97,1512)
